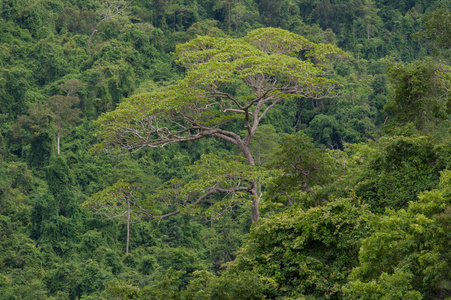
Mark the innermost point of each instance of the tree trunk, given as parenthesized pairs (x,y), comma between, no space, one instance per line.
(58,140)
(128,226)
(229,15)
(90,39)
(255,203)
(244,147)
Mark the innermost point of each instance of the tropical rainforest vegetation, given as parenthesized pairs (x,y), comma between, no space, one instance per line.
(225,149)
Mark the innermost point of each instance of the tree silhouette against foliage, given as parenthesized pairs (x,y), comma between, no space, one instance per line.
(420,93)
(109,10)
(63,107)
(119,201)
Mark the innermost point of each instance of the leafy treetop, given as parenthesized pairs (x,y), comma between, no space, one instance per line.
(226,79)
(269,65)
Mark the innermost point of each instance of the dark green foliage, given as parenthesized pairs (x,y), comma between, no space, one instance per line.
(14,84)
(33,137)
(325,15)
(17,187)
(408,254)
(224,238)
(307,254)
(21,268)
(300,167)
(77,279)
(61,181)
(399,172)
(71,20)
(326,130)
(45,207)
(419,94)
(437,32)
(179,259)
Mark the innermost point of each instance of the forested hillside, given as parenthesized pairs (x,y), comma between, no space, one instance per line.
(225,149)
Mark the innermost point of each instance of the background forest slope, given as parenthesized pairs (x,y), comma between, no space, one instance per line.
(355,190)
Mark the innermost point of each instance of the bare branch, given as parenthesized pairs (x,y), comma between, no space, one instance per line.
(112,8)
(167,215)
(215,93)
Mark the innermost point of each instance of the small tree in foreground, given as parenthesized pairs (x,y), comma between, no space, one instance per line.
(228,179)
(227,79)
(118,201)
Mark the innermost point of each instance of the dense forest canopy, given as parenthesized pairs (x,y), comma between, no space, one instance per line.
(227,149)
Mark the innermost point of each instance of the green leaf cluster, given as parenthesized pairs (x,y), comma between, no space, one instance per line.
(407,256)
(306,253)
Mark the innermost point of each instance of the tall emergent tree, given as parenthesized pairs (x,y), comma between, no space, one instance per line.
(227,79)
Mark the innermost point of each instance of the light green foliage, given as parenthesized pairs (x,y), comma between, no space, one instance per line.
(205,27)
(394,286)
(166,286)
(408,255)
(307,253)
(213,63)
(264,143)
(243,285)
(315,34)
(112,201)
(228,177)
(119,290)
